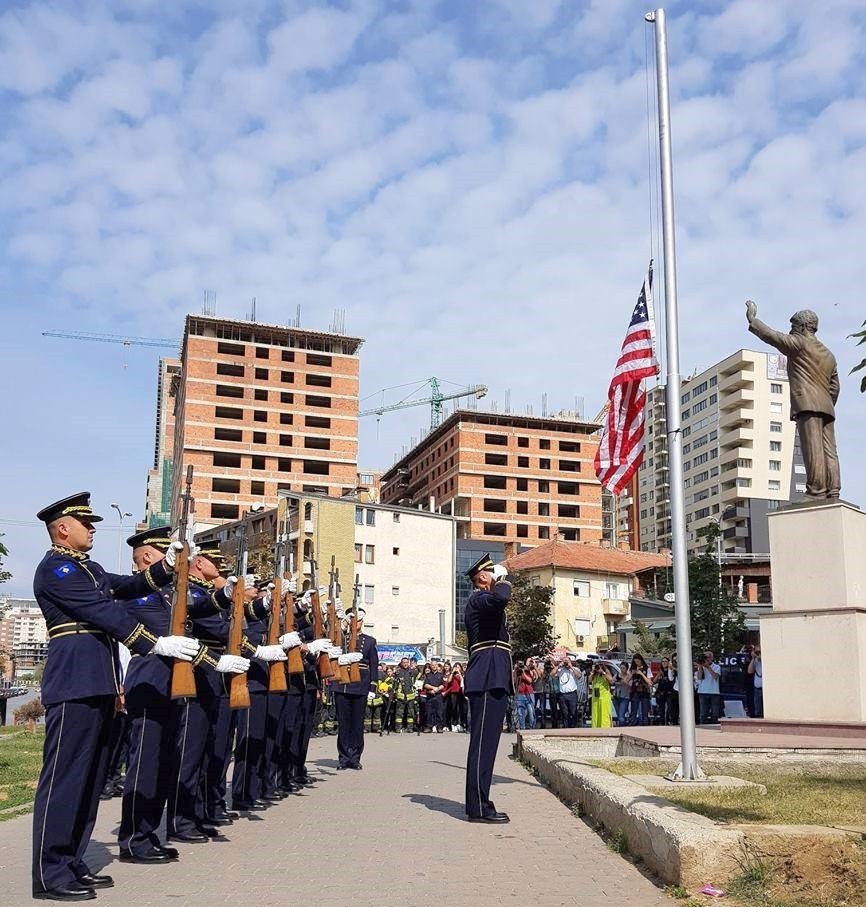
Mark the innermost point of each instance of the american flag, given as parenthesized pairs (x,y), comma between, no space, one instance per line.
(622,444)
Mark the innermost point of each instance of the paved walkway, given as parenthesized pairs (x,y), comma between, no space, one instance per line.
(389,835)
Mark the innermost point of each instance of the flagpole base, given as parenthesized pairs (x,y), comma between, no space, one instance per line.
(678,774)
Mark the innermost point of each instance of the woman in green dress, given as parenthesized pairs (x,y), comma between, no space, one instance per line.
(600,681)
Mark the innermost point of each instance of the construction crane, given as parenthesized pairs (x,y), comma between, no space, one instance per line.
(436,399)
(115,338)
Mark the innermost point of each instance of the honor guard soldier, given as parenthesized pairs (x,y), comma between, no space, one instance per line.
(153,715)
(350,699)
(79,690)
(488,683)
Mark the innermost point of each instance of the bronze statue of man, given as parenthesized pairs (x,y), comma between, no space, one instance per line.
(814,385)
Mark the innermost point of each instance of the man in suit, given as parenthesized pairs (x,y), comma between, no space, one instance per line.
(814,384)
(488,683)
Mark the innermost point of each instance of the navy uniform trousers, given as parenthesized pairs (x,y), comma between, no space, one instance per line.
(249,750)
(273,755)
(300,742)
(279,766)
(350,727)
(486,714)
(75,765)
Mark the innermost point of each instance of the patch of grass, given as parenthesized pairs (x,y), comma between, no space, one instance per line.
(678,891)
(20,762)
(618,842)
(797,793)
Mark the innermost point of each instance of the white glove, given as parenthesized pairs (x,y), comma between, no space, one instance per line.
(323,593)
(354,657)
(250,581)
(499,572)
(229,587)
(171,554)
(335,652)
(194,551)
(303,603)
(338,607)
(267,595)
(344,660)
(290,640)
(371,696)
(290,586)
(233,664)
(181,647)
(270,653)
(317,646)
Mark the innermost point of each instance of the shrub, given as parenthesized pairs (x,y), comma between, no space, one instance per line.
(30,711)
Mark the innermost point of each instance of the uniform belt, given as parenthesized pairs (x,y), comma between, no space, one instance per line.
(213,644)
(493,644)
(73,628)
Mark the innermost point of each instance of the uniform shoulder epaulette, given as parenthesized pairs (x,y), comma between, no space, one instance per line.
(70,552)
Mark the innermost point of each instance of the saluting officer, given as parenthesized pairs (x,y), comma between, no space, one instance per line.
(350,699)
(153,715)
(488,683)
(79,688)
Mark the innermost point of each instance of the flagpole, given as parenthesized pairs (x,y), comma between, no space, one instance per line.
(688,770)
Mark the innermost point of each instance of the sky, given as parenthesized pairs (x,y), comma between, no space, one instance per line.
(472,182)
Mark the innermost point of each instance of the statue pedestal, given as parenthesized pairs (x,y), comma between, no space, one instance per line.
(813,645)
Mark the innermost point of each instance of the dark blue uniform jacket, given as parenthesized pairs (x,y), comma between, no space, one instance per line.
(489,666)
(369,666)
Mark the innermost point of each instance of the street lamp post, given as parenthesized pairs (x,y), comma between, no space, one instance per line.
(121,514)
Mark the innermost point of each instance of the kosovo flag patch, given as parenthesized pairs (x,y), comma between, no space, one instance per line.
(63,571)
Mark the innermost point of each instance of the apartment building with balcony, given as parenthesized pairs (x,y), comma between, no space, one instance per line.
(741,458)
(505,477)
(23,636)
(262,408)
(157,508)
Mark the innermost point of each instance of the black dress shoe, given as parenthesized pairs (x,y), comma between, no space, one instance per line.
(229,814)
(490,818)
(91,880)
(153,856)
(190,837)
(255,807)
(274,797)
(306,781)
(291,787)
(357,766)
(208,830)
(171,852)
(73,892)
(218,821)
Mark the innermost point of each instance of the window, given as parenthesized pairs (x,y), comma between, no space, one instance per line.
(286,397)
(775,388)
(544,444)
(522,532)
(318,380)
(523,442)
(396,517)
(257,487)
(543,485)
(368,595)
(568,487)
(260,394)
(288,356)
(317,359)
(261,374)
(228,434)
(231,349)
(260,463)
(494,529)
(570,511)
(744,463)
(775,446)
(230,390)
(493,459)
(714,380)
(229,461)
(228,412)
(570,465)
(775,465)
(523,507)
(262,352)
(523,462)
(700,406)
(359,553)
(371,518)
(260,415)
(569,447)
(686,397)
(522,484)
(224,511)
(359,517)
(612,590)
(544,463)
(699,389)
(543,532)
(317,467)
(570,535)
(501,440)
(286,419)
(317,421)
(395,590)
(317,443)
(369,554)
(313,400)
(395,552)
(773,485)
(775,407)
(495,482)
(229,486)
(776,428)
(744,483)
(543,508)
(226,368)
(260,437)
(287,377)
(494,505)
(702,513)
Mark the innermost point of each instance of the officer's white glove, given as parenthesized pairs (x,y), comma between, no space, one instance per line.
(323,593)
(267,595)
(354,657)
(290,586)
(290,640)
(233,664)
(171,554)
(229,587)
(250,581)
(305,600)
(499,572)
(180,647)
(338,607)
(371,696)
(270,653)
(317,646)
(344,660)
(335,652)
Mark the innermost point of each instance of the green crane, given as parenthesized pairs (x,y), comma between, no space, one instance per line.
(436,399)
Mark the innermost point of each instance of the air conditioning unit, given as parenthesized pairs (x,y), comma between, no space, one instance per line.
(579,638)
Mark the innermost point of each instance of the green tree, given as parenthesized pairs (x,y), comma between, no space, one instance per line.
(862,335)
(5,575)
(717,622)
(645,642)
(529,620)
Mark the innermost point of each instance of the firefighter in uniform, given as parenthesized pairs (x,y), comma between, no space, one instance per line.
(80,688)
(406,697)
(488,683)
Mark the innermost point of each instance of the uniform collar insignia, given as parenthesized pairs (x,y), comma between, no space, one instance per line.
(205,584)
(70,552)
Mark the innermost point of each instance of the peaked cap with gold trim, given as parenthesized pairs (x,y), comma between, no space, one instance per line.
(158,537)
(77,505)
(484,563)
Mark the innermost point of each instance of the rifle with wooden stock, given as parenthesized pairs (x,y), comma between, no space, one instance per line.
(323,663)
(295,663)
(182,676)
(239,693)
(335,630)
(277,682)
(355,668)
